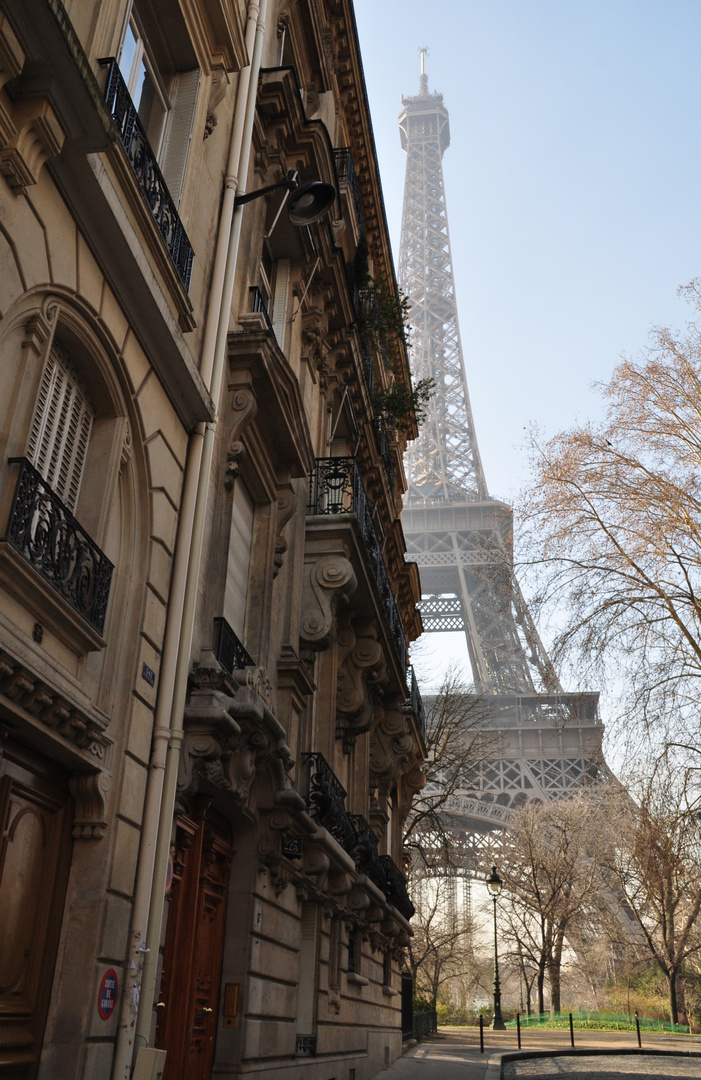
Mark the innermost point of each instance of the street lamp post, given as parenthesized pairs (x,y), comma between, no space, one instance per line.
(493,883)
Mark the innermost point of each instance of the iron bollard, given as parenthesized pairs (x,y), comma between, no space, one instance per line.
(571,1032)
(518,1029)
(481,1034)
(637,1028)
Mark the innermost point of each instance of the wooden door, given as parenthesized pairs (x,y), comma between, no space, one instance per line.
(188,1005)
(35,848)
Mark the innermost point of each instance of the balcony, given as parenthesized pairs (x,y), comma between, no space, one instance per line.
(259,306)
(228,649)
(345,172)
(148,175)
(366,855)
(385,449)
(327,805)
(327,802)
(47,536)
(415,701)
(395,888)
(335,488)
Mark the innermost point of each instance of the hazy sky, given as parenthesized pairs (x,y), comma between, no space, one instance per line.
(572,185)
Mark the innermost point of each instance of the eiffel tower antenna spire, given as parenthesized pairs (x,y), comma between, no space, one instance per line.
(423,78)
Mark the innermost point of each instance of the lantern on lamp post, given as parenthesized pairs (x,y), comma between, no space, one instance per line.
(493,883)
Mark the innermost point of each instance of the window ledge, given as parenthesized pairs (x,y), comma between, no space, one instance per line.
(390,992)
(357,980)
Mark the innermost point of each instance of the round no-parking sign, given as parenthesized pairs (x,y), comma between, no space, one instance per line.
(107,994)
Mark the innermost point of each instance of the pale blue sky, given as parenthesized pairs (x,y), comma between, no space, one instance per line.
(572,184)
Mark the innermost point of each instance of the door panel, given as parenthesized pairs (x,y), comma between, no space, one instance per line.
(187,1019)
(34,861)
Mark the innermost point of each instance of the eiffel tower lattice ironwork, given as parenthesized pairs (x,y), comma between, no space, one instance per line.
(461,538)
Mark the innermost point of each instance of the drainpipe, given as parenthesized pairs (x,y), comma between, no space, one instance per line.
(214,363)
(151,868)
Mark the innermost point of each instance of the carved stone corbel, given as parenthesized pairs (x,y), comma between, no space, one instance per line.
(89,792)
(217,92)
(316,348)
(391,747)
(362,673)
(244,407)
(327,581)
(285,509)
(37,136)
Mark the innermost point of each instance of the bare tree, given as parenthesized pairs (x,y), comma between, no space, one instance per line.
(457,741)
(551,862)
(441,949)
(657,861)
(614,529)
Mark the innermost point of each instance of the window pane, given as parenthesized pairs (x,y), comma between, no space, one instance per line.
(126,60)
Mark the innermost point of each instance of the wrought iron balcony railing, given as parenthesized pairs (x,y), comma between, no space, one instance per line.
(327,802)
(385,449)
(149,177)
(327,805)
(259,305)
(415,701)
(45,533)
(366,855)
(345,172)
(395,889)
(228,649)
(335,487)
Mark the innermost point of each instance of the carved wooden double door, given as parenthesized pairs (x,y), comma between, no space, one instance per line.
(35,851)
(188,1004)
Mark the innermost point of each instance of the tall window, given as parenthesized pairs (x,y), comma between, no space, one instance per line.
(165,99)
(144,84)
(60,431)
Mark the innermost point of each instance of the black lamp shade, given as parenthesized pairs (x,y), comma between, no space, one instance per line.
(310,202)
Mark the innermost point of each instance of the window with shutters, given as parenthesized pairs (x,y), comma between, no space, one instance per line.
(164,95)
(61,426)
(239,559)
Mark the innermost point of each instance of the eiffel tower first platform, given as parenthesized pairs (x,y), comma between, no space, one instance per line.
(549,742)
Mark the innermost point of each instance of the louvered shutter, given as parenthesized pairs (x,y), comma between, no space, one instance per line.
(282,288)
(239,560)
(183,98)
(60,431)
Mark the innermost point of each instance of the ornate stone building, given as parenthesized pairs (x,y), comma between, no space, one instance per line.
(209,735)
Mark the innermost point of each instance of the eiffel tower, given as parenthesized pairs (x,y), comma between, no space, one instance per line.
(549,742)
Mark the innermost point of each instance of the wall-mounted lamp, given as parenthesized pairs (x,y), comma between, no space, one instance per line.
(305,203)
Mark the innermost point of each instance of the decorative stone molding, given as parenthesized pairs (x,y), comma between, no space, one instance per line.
(231,734)
(362,673)
(36,136)
(25,692)
(316,350)
(286,505)
(327,581)
(244,407)
(391,747)
(217,93)
(89,791)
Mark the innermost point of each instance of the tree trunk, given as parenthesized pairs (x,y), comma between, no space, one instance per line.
(554,969)
(673,1006)
(541,982)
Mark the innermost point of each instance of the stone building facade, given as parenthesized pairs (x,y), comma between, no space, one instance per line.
(209,735)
